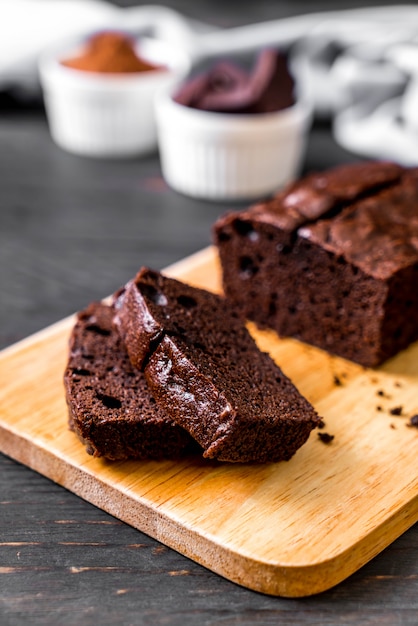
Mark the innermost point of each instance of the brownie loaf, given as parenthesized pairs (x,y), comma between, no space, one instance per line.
(331,260)
(205,370)
(110,407)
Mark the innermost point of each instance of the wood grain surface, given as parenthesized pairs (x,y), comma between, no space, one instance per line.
(291,529)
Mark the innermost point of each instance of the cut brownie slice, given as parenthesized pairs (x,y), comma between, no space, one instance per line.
(205,370)
(332,260)
(110,407)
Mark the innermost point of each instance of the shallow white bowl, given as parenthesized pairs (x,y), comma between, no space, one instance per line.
(221,156)
(107,115)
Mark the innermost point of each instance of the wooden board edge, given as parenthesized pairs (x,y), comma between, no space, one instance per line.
(264,577)
(178,270)
(38,337)
(194,261)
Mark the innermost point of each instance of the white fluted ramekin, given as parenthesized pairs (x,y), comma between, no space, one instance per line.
(107,115)
(221,156)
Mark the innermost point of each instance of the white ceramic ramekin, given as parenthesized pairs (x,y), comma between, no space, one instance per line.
(221,156)
(104,115)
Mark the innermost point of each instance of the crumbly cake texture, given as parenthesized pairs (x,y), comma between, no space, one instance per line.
(206,372)
(331,260)
(110,406)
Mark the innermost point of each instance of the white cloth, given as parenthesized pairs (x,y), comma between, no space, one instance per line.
(358,66)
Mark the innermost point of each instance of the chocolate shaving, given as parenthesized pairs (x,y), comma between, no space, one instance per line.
(228,88)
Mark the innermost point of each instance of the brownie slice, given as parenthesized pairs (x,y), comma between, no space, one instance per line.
(110,407)
(205,370)
(332,260)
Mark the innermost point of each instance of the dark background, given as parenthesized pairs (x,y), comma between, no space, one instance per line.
(74,229)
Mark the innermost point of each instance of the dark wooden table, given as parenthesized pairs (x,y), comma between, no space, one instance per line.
(73,229)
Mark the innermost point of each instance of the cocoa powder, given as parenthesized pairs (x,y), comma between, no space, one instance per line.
(110,52)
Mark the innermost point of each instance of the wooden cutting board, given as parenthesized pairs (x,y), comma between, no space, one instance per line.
(294,528)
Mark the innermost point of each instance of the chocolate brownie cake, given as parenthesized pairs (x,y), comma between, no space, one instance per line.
(110,407)
(205,370)
(331,260)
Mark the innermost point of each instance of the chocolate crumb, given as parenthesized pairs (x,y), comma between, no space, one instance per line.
(321,424)
(382,394)
(392,426)
(413,422)
(337,381)
(379,408)
(397,410)
(325,437)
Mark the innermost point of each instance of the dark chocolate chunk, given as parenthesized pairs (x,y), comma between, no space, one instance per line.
(222,80)
(226,88)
